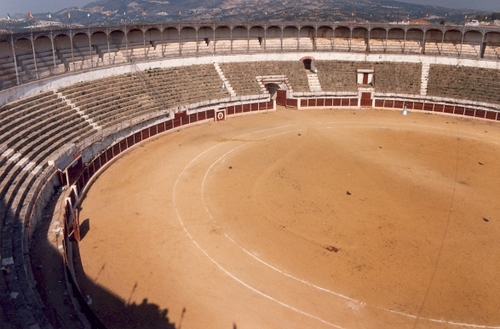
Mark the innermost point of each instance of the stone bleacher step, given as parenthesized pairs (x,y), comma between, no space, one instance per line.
(225,81)
(78,110)
(314,84)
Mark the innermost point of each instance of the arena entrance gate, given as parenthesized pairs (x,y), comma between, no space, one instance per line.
(277,86)
(366,99)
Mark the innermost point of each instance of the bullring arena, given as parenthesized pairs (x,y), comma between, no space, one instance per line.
(257,176)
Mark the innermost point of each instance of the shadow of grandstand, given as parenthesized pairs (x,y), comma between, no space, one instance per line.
(102,308)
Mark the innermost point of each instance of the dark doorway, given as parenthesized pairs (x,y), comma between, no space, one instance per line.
(366,99)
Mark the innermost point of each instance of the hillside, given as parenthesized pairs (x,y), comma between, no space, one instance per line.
(137,11)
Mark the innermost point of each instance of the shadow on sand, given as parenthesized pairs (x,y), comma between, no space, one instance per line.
(49,272)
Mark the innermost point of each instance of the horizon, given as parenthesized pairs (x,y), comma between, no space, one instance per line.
(23,7)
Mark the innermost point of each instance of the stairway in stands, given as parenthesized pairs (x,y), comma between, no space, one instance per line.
(425,79)
(227,85)
(313,80)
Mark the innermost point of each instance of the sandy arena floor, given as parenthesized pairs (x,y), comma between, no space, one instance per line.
(301,219)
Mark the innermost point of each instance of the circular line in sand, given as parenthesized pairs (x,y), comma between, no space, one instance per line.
(347,298)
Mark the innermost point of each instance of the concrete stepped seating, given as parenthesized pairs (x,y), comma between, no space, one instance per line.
(341,44)
(337,75)
(470,50)
(14,279)
(254,46)
(432,48)
(273,45)
(177,85)
(7,72)
(464,83)
(155,52)
(46,129)
(189,47)
(111,99)
(324,44)
(377,45)
(205,48)
(223,46)
(394,46)
(171,49)
(21,122)
(413,47)
(492,52)
(80,58)
(44,65)
(113,56)
(400,78)
(290,44)
(306,44)
(358,45)
(240,45)
(139,51)
(238,73)
(13,110)
(450,49)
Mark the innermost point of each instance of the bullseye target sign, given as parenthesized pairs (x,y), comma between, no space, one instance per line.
(220,115)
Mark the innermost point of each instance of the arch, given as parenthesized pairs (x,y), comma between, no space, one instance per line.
(256,38)
(492,38)
(414,34)
(81,40)
(240,32)
(290,39)
(171,34)
(378,40)
(22,46)
(359,40)
(273,87)
(453,36)
(395,40)
(274,40)
(42,44)
(324,32)
(256,32)
(206,32)
(273,32)
(307,35)
(117,39)
(342,32)
(434,35)
(360,33)
(414,41)
(99,39)
(473,37)
(62,41)
(188,33)
(240,39)
(223,42)
(153,43)
(5,49)
(309,63)
(324,38)
(290,32)
(135,37)
(396,33)
(153,36)
(223,32)
(378,33)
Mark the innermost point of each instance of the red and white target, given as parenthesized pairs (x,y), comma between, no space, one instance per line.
(220,115)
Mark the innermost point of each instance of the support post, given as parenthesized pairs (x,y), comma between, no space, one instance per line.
(34,55)
(53,51)
(14,55)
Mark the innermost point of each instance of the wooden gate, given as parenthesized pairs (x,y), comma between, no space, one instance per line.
(281,97)
(366,99)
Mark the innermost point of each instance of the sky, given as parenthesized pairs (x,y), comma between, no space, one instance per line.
(42,6)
